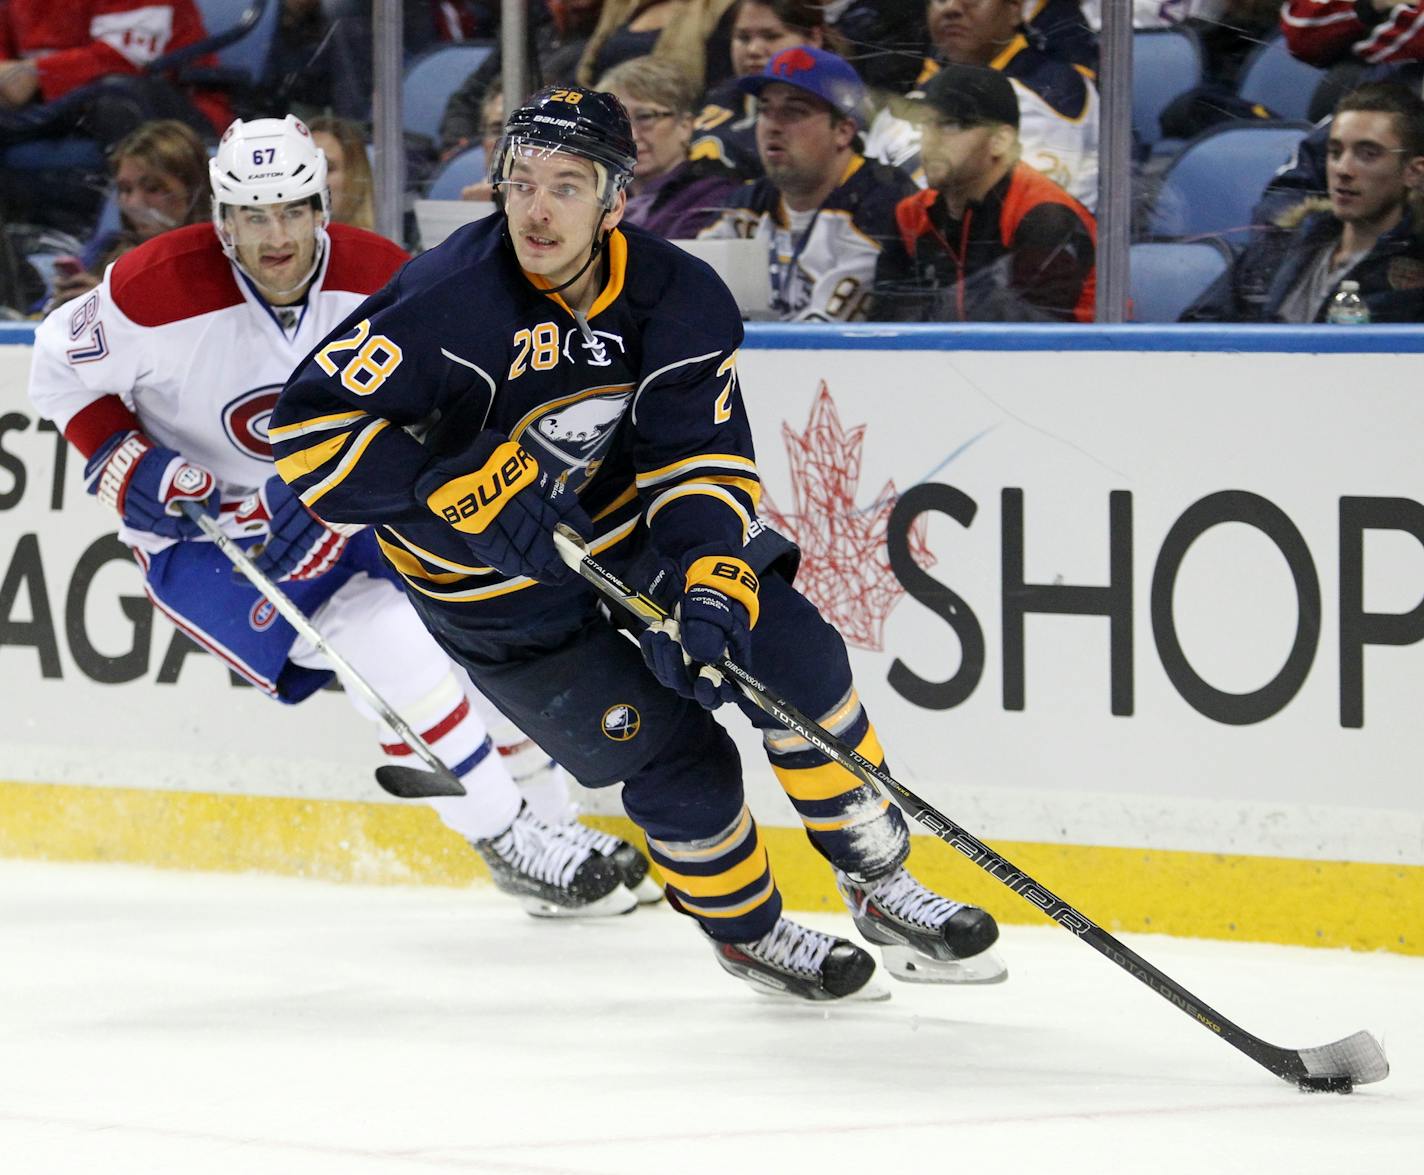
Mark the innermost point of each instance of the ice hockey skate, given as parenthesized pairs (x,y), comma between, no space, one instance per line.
(923,937)
(552,873)
(632,866)
(794,960)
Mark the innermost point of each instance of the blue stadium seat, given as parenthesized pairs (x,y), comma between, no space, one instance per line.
(1218,177)
(1165,63)
(1281,83)
(431,79)
(248,54)
(1165,277)
(468,167)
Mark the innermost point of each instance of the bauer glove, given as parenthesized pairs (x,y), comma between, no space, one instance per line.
(504,506)
(146,484)
(713,619)
(299,544)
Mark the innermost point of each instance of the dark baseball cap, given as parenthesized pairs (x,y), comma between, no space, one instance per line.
(830,78)
(969,95)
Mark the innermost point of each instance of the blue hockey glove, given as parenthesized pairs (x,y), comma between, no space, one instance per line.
(299,544)
(504,506)
(145,484)
(714,619)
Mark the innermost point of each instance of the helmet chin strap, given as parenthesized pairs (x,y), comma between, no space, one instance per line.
(594,249)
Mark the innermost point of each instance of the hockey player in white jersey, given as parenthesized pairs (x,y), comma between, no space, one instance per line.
(164,378)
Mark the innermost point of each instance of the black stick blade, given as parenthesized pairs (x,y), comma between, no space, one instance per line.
(412,783)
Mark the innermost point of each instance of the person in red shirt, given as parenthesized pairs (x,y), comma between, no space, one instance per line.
(1377,32)
(79,68)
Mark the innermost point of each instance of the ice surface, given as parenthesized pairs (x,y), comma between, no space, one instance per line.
(156,1022)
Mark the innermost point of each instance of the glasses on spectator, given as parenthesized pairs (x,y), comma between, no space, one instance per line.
(645,120)
(1364,152)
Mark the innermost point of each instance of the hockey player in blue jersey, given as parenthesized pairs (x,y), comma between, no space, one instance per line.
(547,366)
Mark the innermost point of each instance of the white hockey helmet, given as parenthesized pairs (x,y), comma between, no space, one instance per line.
(268,161)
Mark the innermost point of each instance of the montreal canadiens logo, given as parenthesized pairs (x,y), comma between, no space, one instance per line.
(246,418)
(262,615)
(621,722)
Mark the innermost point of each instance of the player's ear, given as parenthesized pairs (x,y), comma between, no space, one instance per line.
(615,214)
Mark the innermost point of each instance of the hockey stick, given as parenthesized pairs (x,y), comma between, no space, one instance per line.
(408,783)
(1355,1060)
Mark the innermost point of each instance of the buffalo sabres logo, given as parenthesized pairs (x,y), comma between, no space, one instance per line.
(576,432)
(621,722)
(595,351)
(245,421)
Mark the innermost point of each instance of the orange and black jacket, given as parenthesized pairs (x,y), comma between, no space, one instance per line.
(1024,253)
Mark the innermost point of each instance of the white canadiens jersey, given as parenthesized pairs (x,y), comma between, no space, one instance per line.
(180,337)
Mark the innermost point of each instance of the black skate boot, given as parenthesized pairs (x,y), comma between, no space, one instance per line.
(923,938)
(793,960)
(553,874)
(631,864)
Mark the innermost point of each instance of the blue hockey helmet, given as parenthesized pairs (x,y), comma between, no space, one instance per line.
(591,124)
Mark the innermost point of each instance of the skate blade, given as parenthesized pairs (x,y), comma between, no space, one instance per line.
(648,892)
(873,992)
(909,966)
(616,902)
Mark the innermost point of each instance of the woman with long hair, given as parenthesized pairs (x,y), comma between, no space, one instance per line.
(348,170)
(160,179)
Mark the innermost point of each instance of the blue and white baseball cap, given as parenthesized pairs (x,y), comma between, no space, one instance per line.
(824,75)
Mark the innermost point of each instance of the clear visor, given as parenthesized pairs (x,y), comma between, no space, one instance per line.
(271,224)
(533,172)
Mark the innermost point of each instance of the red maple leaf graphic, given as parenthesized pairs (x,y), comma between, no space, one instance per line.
(845,565)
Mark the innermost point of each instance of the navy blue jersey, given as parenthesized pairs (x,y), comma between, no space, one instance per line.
(645,423)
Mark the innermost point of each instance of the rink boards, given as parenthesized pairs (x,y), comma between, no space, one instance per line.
(1142,610)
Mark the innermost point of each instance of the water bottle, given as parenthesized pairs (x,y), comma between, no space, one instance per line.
(1347,308)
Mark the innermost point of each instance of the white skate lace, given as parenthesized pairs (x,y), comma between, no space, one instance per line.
(542,852)
(792,948)
(600,842)
(901,895)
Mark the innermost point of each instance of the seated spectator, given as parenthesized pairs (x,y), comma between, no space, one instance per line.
(160,182)
(555,46)
(492,118)
(886,41)
(1061,28)
(78,68)
(992,239)
(726,127)
(671,194)
(300,65)
(1323,32)
(1058,105)
(824,210)
(348,171)
(1304,178)
(1368,230)
(692,33)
